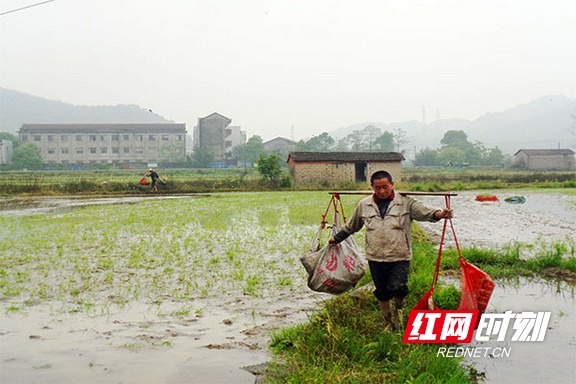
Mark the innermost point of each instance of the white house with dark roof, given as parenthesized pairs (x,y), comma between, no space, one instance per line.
(337,168)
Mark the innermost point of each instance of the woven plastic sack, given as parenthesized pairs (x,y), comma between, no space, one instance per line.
(336,268)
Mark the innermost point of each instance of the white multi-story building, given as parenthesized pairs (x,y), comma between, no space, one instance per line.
(5,151)
(107,143)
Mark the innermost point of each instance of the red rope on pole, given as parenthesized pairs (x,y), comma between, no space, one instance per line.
(335,205)
(439,258)
(337,197)
(326,212)
(442,238)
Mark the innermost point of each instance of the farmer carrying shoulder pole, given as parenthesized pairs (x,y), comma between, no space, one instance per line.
(154,176)
(387,217)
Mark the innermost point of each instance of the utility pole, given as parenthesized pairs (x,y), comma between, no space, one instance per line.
(424,115)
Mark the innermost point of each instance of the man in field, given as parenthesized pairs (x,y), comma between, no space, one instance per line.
(154,176)
(388,216)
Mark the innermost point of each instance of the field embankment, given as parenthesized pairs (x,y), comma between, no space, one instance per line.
(181,181)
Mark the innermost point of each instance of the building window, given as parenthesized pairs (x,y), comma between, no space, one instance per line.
(24,137)
(78,137)
(92,138)
(63,137)
(79,150)
(102,137)
(139,150)
(178,137)
(115,137)
(151,137)
(104,150)
(165,138)
(65,151)
(126,150)
(126,137)
(92,150)
(51,151)
(50,137)
(115,150)
(37,138)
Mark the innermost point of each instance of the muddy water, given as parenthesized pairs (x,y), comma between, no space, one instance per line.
(145,343)
(127,347)
(141,343)
(550,361)
(43,205)
(544,218)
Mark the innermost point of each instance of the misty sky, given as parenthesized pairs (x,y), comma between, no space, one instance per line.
(314,65)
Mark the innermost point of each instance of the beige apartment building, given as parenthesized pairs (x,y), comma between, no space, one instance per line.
(126,144)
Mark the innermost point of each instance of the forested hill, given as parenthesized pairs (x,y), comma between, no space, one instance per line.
(17,108)
(546,122)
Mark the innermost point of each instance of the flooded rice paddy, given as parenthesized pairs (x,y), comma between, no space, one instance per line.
(187,289)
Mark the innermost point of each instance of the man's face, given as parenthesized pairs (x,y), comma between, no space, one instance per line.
(383,188)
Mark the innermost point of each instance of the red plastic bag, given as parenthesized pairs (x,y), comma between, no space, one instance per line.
(144,181)
(477,285)
(426,303)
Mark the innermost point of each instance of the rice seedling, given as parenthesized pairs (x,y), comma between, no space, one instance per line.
(95,259)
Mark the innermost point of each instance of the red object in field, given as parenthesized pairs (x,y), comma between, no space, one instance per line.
(477,285)
(486,198)
(426,302)
(144,181)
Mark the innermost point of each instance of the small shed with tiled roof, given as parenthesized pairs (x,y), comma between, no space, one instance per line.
(338,168)
(545,159)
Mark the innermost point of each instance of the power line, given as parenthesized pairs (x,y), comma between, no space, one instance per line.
(26,7)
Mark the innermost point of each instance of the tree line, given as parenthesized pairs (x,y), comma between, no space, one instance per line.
(456,149)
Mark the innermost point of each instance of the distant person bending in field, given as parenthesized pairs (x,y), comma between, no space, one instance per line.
(388,216)
(154,176)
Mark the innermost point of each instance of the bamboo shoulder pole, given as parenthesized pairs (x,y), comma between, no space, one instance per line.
(403,193)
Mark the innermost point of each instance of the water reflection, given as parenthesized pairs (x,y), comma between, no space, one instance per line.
(19,206)
(551,360)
